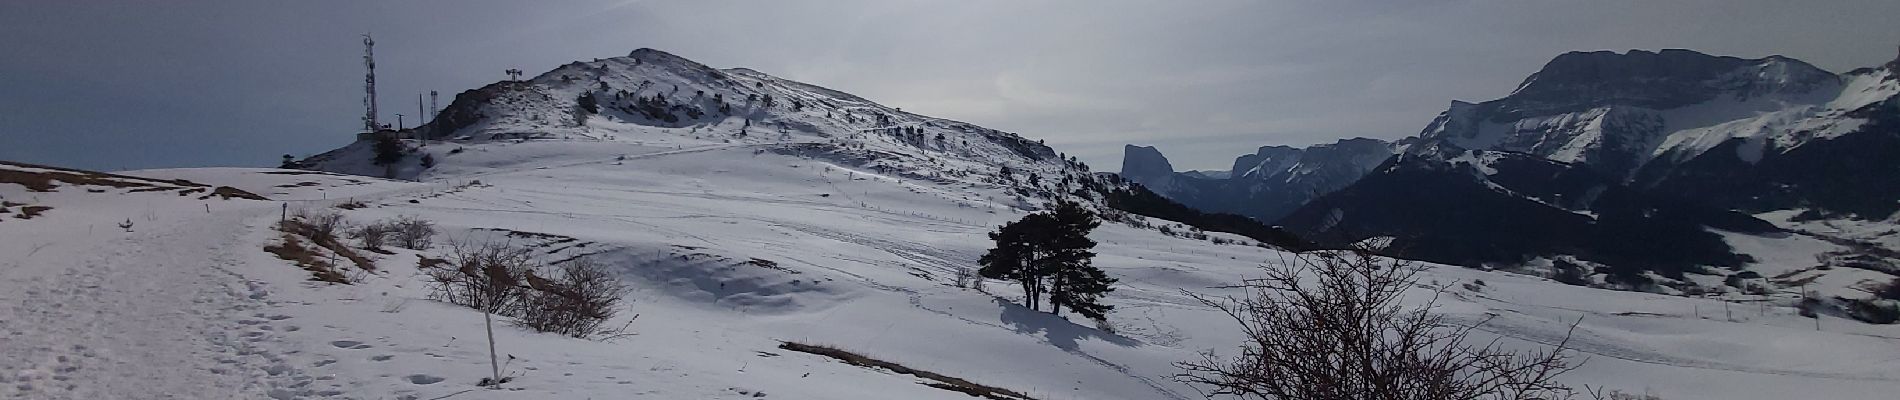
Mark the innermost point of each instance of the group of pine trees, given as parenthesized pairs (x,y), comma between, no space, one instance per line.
(1048,253)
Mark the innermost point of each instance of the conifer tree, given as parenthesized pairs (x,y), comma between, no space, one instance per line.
(388,149)
(1049,252)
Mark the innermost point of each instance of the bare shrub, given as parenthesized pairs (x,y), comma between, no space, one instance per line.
(577,299)
(322,228)
(966,277)
(1341,333)
(413,233)
(319,226)
(374,236)
(485,276)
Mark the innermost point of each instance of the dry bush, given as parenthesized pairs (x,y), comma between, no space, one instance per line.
(319,226)
(406,232)
(413,233)
(1340,332)
(374,236)
(577,299)
(485,276)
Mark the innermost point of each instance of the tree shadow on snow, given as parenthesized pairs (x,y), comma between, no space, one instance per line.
(1059,331)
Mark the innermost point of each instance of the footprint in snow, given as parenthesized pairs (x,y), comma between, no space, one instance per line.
(350,344)
(384,357)
(423,379)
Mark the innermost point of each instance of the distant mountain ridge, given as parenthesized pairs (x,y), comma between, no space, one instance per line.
(1586,153)
(1628,160)
(1265,185)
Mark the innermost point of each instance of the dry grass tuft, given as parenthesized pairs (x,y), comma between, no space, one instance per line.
(293,250)
(29,212)
(227,193)
(939,381)
(44,179)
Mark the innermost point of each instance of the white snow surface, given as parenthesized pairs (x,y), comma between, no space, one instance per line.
(188,305)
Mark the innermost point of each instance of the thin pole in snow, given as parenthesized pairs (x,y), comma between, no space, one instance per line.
(495,367)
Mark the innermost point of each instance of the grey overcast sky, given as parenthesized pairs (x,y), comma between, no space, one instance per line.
(145,84)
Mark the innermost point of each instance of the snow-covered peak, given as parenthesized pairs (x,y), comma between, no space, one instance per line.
(1659,80)
(1617,112)
(654,98)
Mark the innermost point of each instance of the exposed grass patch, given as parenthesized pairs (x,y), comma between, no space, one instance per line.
(327,239)
(427,263)
(352,205)
(340,249)
(227,193)
(293,250)
(29,212)
(42,179)
(939,381)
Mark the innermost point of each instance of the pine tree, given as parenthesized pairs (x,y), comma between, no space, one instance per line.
(589,103)
(388,149)
(1016,255)
(1049,252)
(1076,282)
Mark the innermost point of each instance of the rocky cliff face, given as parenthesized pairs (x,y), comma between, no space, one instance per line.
(1264,185)
(1145,165)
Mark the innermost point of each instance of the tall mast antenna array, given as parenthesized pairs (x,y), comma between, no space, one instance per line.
(369,84)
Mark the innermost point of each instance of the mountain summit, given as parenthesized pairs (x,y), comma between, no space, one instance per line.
(652,96)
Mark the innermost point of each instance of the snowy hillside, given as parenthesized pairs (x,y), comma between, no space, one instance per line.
(652,97)
(731,251)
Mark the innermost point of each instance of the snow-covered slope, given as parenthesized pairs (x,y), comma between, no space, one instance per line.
(730,251)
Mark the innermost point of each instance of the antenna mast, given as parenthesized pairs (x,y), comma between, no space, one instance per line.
(369,84)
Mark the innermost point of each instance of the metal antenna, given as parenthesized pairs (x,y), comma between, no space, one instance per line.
(369,84)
